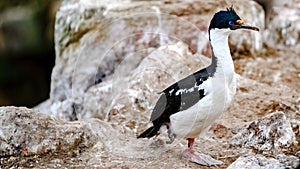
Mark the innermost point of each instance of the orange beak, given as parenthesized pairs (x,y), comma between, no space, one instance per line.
(240,24)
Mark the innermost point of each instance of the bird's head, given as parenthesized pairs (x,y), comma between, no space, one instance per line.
(229,20)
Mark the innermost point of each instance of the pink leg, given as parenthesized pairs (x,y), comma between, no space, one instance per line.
(191,142)
(197,157)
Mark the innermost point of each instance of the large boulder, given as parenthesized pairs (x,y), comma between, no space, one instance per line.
(25,132)
(283,26)
(93,37)
(270,135)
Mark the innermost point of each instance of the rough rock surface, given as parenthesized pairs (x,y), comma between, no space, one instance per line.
(283,28)
(269,135)
(93,37)
(261,162)
(24,132)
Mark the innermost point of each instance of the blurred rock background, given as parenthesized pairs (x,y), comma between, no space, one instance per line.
(26,50)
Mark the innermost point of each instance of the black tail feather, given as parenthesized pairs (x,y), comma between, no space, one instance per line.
(150,132)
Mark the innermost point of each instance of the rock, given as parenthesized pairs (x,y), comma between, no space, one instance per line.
(269,135)
(276,68)
(283,28)
(97,101)
(44,107)
(288,161)
(25,132)
(255,98)
(269,4)
(261,162)
(255,162)
(93,37)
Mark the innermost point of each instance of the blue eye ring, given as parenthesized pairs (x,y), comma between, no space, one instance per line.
(231,23)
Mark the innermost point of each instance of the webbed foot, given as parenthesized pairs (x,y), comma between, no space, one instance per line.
(200,158)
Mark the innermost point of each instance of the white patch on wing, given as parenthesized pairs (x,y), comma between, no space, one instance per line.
(181,91)
(191,89)
(206,86)
(171,91)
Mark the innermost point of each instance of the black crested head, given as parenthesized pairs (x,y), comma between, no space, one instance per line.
(224,19)
(229,20)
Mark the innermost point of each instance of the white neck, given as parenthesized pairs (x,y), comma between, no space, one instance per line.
(220,49)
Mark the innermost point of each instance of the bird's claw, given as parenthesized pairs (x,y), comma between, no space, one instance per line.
(171,136)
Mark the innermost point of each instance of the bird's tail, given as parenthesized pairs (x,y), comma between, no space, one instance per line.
(150,132)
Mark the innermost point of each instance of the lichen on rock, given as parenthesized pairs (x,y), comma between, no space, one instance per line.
(269,135)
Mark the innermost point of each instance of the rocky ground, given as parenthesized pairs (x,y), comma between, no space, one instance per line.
(261,129)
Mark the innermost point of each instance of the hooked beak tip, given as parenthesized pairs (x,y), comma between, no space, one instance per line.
(245,26)
(254,28)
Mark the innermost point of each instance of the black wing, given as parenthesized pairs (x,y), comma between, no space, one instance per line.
(179,96)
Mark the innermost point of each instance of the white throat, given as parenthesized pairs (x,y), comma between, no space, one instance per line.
(220,49)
